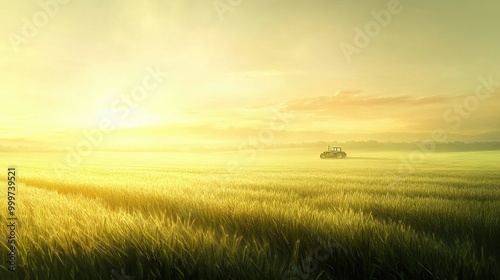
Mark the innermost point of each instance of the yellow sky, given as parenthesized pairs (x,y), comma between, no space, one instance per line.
(68,66)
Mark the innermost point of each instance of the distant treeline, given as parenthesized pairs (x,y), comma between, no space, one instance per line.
(319,145)
(375,145)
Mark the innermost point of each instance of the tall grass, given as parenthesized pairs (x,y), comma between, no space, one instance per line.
(164,217)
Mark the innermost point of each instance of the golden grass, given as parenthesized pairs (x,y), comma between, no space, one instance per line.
(179,216)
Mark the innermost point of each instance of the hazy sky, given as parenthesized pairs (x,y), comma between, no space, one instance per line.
(66,67)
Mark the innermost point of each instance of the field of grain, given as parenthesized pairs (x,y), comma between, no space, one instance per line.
(283,214)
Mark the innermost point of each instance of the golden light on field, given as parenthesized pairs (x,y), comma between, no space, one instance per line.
(265,219)
(174,139)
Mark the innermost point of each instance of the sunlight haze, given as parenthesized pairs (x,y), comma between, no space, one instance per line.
(225,74)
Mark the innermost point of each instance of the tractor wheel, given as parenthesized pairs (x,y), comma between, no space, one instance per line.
(339,155)
(322,156)
(344,155)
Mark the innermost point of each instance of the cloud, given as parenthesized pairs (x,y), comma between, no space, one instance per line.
(358,104)
(360,113)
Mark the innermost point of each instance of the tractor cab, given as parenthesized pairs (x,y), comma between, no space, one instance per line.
(333,152)
(334,149)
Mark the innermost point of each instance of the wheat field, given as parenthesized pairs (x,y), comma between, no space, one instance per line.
(283,214)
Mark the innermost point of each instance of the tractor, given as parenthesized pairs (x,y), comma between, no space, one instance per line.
(333,152)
